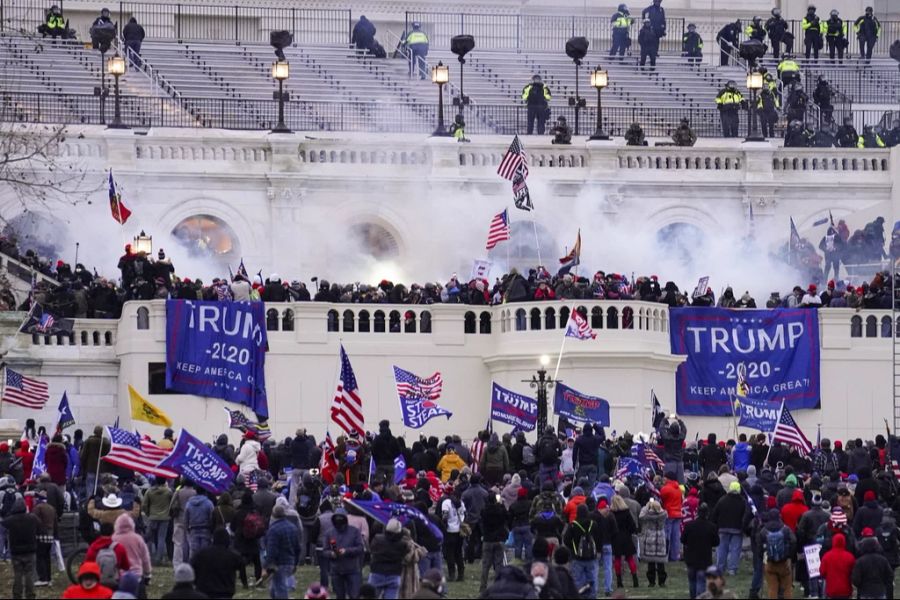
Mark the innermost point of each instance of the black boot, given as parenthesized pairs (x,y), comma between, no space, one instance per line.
(634,580)
(619,581)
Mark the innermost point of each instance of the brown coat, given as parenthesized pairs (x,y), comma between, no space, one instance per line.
(109,515)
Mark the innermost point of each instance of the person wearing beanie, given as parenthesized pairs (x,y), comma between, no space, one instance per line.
(872,574)
(216,566)
(129,587)
(523,537)
(728,515)
(21,534)
(807,528)
(184,584)
(576,499)
(88,585)
(606,521)
(699,538)
(343,547)
(868,515)
(282,553)
(388,551)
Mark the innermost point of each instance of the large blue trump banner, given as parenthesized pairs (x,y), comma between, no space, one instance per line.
(779,349)
(580,407)
(513,409)
(218,349)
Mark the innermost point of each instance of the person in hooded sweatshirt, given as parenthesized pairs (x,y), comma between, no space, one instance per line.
(88,585)
(836,569)
(135,547)
(184,585)
(728,516)
(793,510)
(21,534)
(740,456)
(216,566)
(712,456)
(889,538)
(868,515)
(248,458)
(494,461)
(872,573)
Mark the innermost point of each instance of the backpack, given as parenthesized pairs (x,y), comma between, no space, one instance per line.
(109,566)
(776,546)
(586,548)
(253,526)
(7,501)
(528,456)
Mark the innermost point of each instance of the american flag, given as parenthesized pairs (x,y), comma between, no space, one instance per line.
(410,385)
(346,408)
(514,160)
(25,391)
(131,451)
(499,230)
(578,327)
(253,481)
(647,457)
(45,324)
(628,466)
(238,420)
(787,431)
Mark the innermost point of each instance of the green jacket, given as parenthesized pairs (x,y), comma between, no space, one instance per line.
(156,503)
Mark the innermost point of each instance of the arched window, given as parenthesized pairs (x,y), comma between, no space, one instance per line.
(287,320)
(272,320)
(597,318)
(885,327)
(563,316)
(349,319)
(395,321)
(469,323)
(409,322)
(521,317)
(376,240)
(856,326)
(364,324)
(871,326)
(143,318)
(612,318)
(627,318)
(379,321)
(550,319)
(96,339)
(424,322)
(205,236)
(535,324)
(333,320)
(484,323)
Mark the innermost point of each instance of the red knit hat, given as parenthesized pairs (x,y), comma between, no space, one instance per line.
(522,493)
(602,504)
(868,532)
(869,496)
(838,444)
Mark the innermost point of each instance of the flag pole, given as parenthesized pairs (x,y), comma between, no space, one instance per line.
(772,440)
(561,347)
(537,242)
(731,401)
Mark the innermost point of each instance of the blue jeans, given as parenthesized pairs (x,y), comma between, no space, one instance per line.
(282,583)
(584,572)
(198,539)
(522,542)
(156,537)
(386,586)
(417,54)
(696,581)
(432,560)
(607,557)
(729,551)
(673,538)
(4,547)
(346,585)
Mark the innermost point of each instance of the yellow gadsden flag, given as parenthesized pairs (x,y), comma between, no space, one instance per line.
(142,410)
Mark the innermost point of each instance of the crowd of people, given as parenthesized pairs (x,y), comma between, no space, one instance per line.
(563,515)
(85,294)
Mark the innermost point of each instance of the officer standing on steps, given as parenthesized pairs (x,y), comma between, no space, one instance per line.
(537,97)
(692,45)
(657,16)
(729,103)
(836,35)
(767,106)
(621,25)
(777,28)
(813,28)
(867,29)
(417,42)
(728,39)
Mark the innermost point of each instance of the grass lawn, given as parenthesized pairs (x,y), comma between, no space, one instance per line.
(676,586)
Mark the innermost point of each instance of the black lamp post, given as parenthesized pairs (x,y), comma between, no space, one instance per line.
(281,70)
(542,382)
(461,45)
(599,79)
(754,84)
(116,68)
(440,74)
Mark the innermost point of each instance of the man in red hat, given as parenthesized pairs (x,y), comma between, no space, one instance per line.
(811,297)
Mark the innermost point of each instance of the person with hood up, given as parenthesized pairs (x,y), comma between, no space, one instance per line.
(794,510)
(216,566)
(57,459)
(872,573)
(869,515)
(451,461)
(836,569)
(494,461)
(653,542)
(21,533)
(198,519)
(135,547)
(388,551)
(699,539)
(282,553)
(727,300)
(728,515)
(343,547)
(576,499)
(248,458)
(88,585)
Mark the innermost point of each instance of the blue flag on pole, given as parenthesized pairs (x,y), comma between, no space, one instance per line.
(513,409)
(418,397)
(580,407)
(194,460)
(66,419)
(383,510)
(218,349)
(399,468)
(758,414)
(40,458)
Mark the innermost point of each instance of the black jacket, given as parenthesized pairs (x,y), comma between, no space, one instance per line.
(511,582)
(868,515)
(21,530)
(494,520)
(872,573)
(133,32)
(729,512)
(184,590)
(385,448)
(711,458)
(388,550)
(699,538)
(215,569)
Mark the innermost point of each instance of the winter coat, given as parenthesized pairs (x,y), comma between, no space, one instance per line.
(511,582)
(623,542)
(388,551)
(156,503)
(351,541)
(495,458)
(836,568)
(792,511)
(21,530)
(198,513)
(135,547)
(653,536)
(699,538)
(94,447)
(248,458)
(670,496)
(728,513)
(494,521)
(809,524)
(868,515)
(872,574)
(282,544)
(56,459)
